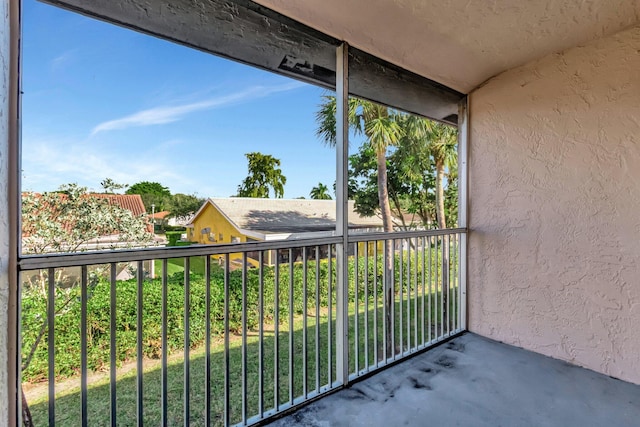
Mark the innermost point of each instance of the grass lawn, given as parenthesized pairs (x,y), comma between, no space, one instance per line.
(68,400)
(176,265)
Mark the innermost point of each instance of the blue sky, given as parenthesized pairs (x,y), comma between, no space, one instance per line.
(102,101)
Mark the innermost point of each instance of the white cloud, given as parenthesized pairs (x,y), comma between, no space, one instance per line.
(161,115)
(46,167)
(59,62)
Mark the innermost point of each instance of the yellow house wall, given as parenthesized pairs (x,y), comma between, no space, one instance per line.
(220,226)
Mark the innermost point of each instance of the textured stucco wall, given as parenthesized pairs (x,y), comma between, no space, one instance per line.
(554,251)
(4,207)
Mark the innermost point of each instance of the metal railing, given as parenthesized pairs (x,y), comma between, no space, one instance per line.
(227,334)
(424,300)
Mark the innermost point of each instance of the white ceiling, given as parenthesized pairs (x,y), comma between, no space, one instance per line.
(462,43)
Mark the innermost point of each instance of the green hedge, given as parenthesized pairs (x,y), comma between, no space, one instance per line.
(172,237)
(67,321)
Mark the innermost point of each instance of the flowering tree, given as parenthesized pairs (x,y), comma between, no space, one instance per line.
(67,220)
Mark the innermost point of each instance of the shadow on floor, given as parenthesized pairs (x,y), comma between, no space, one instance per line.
(474,381)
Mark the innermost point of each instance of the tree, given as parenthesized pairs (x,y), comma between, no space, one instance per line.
(320,192)
(406,177)
(264,175)
(65,221)
(451,196)
(410,179)
(415,176)
(377,123)
(152,193)
(429,145)
(110,186)
(184,205)
(443,145)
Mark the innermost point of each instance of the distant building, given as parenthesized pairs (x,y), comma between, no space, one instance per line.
(238,219)
(130,202)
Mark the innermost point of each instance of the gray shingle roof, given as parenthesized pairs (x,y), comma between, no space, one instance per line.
(288,215)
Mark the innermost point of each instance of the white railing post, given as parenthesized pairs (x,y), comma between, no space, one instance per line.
(342,154)
(463,197)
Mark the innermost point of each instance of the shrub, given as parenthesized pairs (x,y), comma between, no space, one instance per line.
(68,309)
(173,237)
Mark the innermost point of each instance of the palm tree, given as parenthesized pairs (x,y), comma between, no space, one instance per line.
(320,192)
(380,127)
(443,144)
(440,141)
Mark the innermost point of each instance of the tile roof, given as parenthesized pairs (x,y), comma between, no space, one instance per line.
(159,215)
(131,202)
(288,215)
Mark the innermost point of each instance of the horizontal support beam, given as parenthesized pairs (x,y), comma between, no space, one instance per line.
(240,30)
(246,32)
(369,237)
(36,262)
(380,81)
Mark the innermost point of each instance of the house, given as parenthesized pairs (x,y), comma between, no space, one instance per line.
(240,219)
(158,219)
(130,202)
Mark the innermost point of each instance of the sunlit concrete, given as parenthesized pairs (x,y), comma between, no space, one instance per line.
(474,381)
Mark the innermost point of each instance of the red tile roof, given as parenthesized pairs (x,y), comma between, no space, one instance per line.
(160,215)
(132,202)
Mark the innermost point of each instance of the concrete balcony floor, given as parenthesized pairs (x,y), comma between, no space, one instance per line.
(474,381)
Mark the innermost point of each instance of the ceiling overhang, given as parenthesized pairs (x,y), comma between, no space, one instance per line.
(462,43)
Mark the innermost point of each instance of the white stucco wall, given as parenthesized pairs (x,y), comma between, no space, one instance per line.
(554,170)
(4,207)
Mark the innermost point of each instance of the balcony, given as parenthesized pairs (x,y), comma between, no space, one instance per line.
(549,178)
(288,332)
(253,344)
(233,343)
